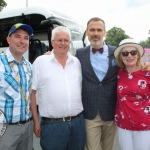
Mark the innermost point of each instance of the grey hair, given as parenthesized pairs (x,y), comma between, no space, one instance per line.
(60,29)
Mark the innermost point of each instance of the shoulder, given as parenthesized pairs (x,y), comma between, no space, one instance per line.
(122,71)
(83,49)
(111,47)
(27,61)
(42,58)
(75,59)
(1,55)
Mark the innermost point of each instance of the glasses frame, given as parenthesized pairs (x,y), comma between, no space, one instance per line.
(62,41)
(132,52)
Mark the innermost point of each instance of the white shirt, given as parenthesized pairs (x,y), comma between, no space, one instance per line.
(59,89)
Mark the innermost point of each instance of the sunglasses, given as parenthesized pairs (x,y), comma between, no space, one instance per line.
(133,53)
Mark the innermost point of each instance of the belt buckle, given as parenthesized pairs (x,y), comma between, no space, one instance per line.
(64,119)
(69,119)
(19,123)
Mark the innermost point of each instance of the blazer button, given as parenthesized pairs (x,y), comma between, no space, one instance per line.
(100,84)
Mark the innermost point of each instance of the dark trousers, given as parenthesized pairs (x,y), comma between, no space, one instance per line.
(69,135)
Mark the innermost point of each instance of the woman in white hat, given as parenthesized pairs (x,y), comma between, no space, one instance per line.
(133,90)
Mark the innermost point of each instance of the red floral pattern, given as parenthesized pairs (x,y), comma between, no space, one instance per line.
(133,106)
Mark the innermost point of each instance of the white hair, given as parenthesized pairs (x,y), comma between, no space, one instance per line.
(60,29)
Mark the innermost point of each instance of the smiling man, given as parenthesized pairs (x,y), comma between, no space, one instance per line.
(99,73)
(15,87)
(57,78)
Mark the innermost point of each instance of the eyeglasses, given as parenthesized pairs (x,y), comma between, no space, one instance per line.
(60,41)
(133,53)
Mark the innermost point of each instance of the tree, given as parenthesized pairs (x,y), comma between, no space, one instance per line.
(2,4)
(115,35)
(146,43)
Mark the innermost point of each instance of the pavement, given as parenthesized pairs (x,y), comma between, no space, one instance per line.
(36,143)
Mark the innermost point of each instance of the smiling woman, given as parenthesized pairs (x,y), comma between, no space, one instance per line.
(132,111)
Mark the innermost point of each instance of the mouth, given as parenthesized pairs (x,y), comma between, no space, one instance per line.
(130,60)
(21,46)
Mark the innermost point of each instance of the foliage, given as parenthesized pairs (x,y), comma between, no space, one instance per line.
(115,35)
(146,43)
(2,4)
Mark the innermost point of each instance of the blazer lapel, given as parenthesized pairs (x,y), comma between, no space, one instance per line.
(89,65)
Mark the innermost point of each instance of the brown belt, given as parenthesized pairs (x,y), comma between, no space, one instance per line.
(21,122)
(48,120)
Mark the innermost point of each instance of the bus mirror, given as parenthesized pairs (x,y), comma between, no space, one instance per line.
(45,22)
(50,21)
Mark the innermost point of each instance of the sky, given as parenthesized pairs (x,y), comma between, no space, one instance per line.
(133,16)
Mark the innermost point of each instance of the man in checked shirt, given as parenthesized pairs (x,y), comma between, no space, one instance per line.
(15,85)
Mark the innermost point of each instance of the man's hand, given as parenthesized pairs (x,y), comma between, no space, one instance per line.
(47,53)
(37,129)
(145,66)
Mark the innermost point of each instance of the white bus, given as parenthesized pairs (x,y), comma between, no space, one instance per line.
(42,20)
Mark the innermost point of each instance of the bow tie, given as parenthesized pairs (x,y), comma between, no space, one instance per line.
(100,50)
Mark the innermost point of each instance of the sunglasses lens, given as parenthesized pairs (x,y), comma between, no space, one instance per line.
(125,54)
(133,52)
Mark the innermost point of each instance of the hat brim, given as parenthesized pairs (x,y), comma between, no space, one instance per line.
(119,48)
(25,27)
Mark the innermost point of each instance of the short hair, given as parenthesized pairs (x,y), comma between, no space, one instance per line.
(120,62)
(96,19)
(60,29)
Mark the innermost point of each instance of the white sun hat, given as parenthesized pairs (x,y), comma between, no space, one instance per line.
(129,42)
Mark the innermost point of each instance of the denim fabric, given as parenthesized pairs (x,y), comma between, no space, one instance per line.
(63,135)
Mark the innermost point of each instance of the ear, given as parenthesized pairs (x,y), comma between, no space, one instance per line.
(105,33)
(52,42)
(86,33)
(8,40)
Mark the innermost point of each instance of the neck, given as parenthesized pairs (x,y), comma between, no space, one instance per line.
(17,56)
(61,59)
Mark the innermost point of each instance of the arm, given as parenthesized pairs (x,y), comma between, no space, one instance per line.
(37,128)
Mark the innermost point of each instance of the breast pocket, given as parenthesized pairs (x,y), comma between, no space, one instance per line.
(11,84)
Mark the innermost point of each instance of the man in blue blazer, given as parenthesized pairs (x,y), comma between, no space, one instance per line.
(99,72)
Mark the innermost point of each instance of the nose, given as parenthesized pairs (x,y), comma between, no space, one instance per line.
(22,40)
(129,54)
(95,32)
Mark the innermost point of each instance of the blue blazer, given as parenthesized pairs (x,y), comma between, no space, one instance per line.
(98,96)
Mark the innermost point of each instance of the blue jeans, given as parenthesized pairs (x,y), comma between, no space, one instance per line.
(69,135)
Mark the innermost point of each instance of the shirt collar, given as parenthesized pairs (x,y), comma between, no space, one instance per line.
(11,58)
(52,56)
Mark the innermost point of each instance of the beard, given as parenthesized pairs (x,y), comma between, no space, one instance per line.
(96,43)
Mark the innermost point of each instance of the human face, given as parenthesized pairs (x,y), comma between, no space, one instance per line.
(96,32)
(130,60)
(18,43)
(61,43)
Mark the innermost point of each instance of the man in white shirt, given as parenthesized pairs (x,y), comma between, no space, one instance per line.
(57,78)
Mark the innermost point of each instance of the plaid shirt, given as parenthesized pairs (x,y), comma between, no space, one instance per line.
(15,87)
